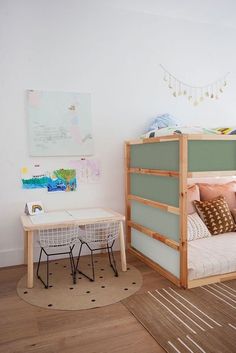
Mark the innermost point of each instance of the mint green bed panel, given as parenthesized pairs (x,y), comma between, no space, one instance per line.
(157,188)
(163,189)
(211,155)
(158,220)
(158,252)
(162,156)
(203,155)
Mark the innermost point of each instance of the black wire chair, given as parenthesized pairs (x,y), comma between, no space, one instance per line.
(104,234)
(57,238)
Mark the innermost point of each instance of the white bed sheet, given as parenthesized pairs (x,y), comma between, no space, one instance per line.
(212,256)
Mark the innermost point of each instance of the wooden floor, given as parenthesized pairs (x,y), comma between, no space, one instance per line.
(111,329)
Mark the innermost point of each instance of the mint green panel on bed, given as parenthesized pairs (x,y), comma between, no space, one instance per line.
(160,253)
(156,188)
(211,155)
(156,219)
(160,155)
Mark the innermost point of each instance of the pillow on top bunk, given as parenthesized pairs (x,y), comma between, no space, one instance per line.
(216,215)
(210,191)
(196,228)
(192,195)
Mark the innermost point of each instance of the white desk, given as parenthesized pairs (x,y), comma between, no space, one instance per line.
(59,219)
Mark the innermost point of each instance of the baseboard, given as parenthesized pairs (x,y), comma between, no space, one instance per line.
(11,257)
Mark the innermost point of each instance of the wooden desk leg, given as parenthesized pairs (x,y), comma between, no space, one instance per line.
(25,247)
(30,262)
(122,248)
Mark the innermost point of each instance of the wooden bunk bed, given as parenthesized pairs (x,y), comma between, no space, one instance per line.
(157,172)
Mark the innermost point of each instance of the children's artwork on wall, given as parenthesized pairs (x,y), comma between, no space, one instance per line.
(59,123)
(34,178)
(62,180)
(88,170)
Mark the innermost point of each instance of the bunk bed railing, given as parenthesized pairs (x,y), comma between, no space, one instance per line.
(163,173)
(198,156)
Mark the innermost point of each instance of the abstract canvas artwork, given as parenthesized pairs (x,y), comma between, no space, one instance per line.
(60,123)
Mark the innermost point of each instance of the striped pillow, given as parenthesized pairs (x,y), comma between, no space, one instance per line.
(196,228)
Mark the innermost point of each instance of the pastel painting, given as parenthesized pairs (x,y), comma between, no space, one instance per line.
(59,123)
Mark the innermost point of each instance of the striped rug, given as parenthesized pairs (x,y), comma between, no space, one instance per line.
(199,320)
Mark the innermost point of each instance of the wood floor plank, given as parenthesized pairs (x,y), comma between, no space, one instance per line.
(25,328)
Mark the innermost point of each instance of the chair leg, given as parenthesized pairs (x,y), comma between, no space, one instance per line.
(78,257)
(47,271)
(39,262)
(109,255)
(72,265)
(92,265)
(113,262)
(77,263)
(71,254)
(72,257)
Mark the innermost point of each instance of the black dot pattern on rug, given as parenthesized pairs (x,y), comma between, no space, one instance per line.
(96,261)
(56,263)
(83,295)
(50,273)
(128,268)
(89,264)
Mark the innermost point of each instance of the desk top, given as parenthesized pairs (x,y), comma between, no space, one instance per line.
(64,218)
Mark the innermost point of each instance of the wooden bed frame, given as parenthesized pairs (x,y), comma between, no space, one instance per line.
(198,156)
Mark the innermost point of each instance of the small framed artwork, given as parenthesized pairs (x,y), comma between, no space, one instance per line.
(34,208)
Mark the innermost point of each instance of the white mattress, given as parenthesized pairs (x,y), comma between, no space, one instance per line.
(212,256)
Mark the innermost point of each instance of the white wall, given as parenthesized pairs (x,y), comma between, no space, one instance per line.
(113,50)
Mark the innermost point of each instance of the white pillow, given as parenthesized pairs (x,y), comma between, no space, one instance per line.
(197,228)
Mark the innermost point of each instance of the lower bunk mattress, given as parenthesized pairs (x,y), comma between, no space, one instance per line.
(212,256)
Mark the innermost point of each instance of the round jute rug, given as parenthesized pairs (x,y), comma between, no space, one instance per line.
(64,295)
